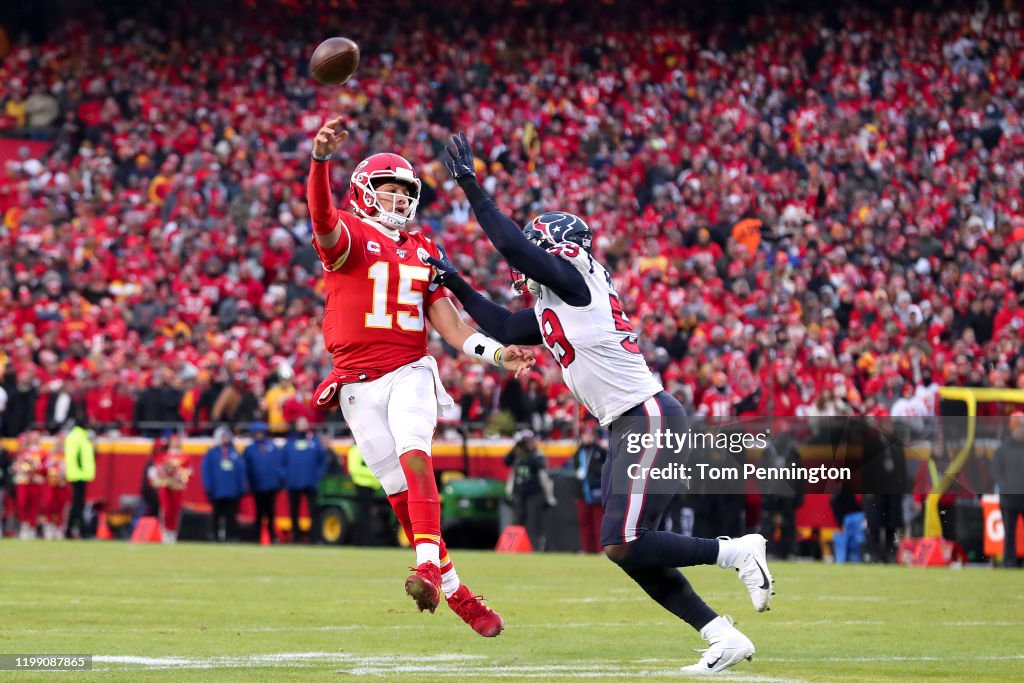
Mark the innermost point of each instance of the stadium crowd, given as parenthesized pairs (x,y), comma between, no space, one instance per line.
(807,211)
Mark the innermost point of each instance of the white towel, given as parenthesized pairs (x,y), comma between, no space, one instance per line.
(445,403)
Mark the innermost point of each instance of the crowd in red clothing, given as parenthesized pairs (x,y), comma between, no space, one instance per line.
(806,211)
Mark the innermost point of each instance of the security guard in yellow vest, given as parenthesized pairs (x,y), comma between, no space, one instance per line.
(366,486)
(80,469)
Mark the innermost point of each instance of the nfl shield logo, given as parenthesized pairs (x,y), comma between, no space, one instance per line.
(401,253)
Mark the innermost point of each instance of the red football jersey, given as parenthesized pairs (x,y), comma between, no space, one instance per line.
(715,403)
(378,291)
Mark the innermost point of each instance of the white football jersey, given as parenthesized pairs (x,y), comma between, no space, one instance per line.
(595,345)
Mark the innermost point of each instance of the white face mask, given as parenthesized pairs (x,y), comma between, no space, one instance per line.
(389,220)
(397,218)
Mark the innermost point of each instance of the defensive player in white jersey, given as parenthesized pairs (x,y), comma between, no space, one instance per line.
(579,318)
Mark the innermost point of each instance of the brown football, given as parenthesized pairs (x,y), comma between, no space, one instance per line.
(334,61)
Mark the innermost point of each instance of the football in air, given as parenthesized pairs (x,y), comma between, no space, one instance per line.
(334,61)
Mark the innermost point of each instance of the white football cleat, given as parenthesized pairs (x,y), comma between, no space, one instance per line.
(727,647)
(747,556)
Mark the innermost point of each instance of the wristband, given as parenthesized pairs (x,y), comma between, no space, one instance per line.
(483,347)
(323,158)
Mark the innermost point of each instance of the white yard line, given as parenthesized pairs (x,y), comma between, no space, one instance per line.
(442,662)
(829,622)
(447,665)
(456,666)
(603,599)
(896,658)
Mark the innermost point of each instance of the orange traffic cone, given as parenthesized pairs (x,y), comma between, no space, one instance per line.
(147,530)
(264,535)
(514,539)
(103,530)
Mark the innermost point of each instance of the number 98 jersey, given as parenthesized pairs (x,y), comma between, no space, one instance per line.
(595,344)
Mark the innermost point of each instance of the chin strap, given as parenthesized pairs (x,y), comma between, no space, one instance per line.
(388,231)
(396,220)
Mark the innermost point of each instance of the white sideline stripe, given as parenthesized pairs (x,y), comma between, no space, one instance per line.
(577,601)
(449,665)
(474,666)
(548,674)
(830,622)
(857,598)
(896,658)
(291,658)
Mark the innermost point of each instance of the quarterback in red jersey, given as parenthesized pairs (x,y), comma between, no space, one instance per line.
(379,298)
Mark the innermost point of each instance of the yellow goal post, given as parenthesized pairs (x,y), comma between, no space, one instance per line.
(971,396)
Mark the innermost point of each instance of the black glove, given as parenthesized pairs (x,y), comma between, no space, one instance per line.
(446,270)
(460,161)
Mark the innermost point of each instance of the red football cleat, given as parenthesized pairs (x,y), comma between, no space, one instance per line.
(425,586)
(479,616)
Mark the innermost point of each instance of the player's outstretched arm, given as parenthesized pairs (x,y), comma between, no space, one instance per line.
(507,237)
(328,230)
(507,327)
(446,321)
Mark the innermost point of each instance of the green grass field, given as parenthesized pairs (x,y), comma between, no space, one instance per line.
(243,613)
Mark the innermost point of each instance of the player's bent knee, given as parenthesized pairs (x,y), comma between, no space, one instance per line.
(619,552)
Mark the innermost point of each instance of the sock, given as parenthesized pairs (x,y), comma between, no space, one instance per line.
(449,577)
(667,549)
(400,504)
(424,506)
(670,589)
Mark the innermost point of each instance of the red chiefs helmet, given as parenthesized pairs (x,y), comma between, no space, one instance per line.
(371,173)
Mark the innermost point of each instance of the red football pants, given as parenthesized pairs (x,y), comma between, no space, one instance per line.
(170,508)
(30,502)
(589,515)
(57,498)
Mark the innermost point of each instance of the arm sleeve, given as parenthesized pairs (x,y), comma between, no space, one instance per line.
(497,321)
(434,291)
(90,461)
(324,215)
(318,194)
(522,254)
(206,474)
(322,468)
(243,476)
(280,467)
